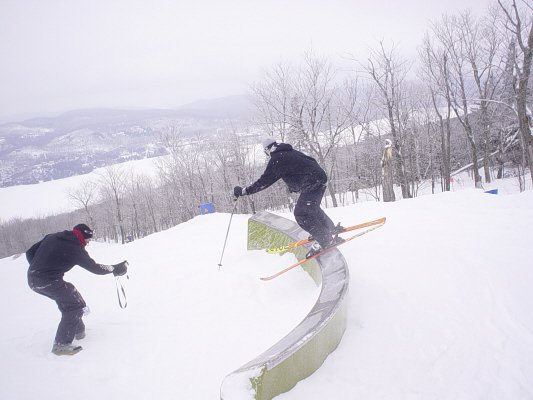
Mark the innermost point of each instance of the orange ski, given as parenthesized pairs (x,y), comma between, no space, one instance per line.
(375,226)
(282,249)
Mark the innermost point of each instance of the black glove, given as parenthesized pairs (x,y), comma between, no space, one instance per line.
(120,268)
(239,191)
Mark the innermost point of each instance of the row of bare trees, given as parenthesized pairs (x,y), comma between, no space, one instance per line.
(481,67)
(472,70)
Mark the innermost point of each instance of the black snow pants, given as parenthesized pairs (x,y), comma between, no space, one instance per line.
(69,302)
(312,218)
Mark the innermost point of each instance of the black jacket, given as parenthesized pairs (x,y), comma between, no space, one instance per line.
(57,253)
(300,172)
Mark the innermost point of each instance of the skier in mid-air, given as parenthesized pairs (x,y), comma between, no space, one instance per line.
(49,259)
(303,175)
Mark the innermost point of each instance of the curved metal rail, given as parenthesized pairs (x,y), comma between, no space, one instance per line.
(304,349)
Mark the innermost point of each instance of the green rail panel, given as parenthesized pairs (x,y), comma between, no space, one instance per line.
(304,349)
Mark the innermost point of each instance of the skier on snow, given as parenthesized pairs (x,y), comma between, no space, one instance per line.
(303,175)
(49,259)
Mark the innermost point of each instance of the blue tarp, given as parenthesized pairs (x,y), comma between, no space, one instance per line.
(206,208)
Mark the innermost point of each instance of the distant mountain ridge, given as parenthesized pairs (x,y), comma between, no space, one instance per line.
(77,141)
(238,106)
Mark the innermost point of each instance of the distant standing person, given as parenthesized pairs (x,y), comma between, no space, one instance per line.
(303,175)
(49,259)
(387,168)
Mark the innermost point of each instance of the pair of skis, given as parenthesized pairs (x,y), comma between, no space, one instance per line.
(370,225)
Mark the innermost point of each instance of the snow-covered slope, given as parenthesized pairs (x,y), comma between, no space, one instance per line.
(439,308)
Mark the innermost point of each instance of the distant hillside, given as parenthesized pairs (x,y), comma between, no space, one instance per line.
(239,107)
(77,141)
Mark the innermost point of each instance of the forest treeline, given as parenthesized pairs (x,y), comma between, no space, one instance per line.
(465,100)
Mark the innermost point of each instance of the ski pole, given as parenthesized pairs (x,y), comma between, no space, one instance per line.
(227,233)
(122,301)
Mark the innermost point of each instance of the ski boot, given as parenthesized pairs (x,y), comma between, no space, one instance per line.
(335,231)
(335,240)
(313,250)
(60,349)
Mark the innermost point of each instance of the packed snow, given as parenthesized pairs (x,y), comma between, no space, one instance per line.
(20,201)
(439,308)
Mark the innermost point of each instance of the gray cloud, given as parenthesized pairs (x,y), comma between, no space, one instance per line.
(60,55)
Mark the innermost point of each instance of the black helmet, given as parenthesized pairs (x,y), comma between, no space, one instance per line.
(86,232)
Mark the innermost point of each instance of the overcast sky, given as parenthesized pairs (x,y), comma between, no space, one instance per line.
(58,55)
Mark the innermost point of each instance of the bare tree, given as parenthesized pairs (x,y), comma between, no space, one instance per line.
(178,172)
(481,46)
(84,196)
(342,119)
(388,72)
(505,116)
(452,33)
(321,112)
(220,155)
(138,210)
(113,185)
(428,129)
(519,21)
(150,201)
(272,99)
(306,107)
(436,73)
